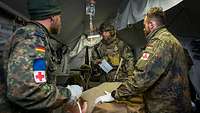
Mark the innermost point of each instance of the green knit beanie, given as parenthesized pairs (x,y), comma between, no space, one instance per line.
(42,9)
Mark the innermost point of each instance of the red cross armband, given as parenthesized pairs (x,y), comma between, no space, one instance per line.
(39,68)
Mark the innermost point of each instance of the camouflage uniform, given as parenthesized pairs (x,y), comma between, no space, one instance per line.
(28,46)
(160,75)
(113,50)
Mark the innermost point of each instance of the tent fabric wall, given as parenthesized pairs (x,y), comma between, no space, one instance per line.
(8,7)
(135,10)
(75,22)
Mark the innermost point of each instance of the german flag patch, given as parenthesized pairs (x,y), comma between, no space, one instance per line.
(40,49)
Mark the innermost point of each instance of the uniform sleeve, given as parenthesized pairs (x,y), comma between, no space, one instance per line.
(153,62)
(129,60)
(23,86)
(94,55)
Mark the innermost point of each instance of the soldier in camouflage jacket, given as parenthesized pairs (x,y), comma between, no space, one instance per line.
(160,73)
(114,51)
(30,79)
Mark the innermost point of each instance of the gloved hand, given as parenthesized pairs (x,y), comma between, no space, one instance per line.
(97,61)
(76,91)
(105,98)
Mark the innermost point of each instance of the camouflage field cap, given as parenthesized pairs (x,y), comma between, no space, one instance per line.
(42,9)
(107,27)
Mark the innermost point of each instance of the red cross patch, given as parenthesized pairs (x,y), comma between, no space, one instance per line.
(39,76)
(145,56)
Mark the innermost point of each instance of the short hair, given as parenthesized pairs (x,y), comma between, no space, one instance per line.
(157,14)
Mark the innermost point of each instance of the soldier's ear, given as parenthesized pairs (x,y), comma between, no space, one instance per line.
(151,25)
(51,19)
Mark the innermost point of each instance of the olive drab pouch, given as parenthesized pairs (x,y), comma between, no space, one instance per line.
(114,59)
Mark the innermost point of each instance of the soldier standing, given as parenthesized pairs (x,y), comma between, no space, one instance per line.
(116,52)
(31,63)
(160,74)
(120,56)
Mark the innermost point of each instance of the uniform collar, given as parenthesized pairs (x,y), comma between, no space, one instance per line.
(151,34)
(42,27)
